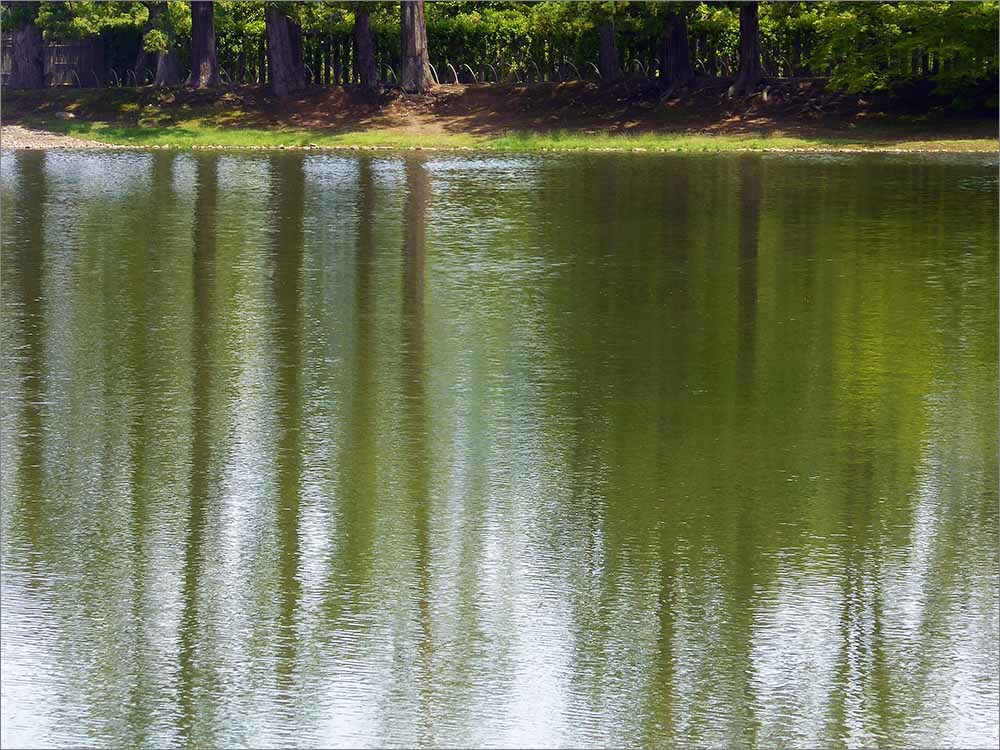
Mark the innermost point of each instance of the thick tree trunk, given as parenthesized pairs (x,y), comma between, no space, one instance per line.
(146,60)
(750,73)
(286,71)
(364,48)
(204,64)
(607,53)
(677,69)
(168,69)
(416,69)
(27,59)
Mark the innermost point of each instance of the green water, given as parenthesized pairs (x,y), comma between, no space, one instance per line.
(517,451)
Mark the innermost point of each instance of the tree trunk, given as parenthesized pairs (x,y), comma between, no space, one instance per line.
(262,63)
(286,71)
(416,73)
(204,64)
(27,59)
(676,52)
(326,59)
(607,53)
(750,72)
(364,48)
(146,60)
(317,61)
(168,69)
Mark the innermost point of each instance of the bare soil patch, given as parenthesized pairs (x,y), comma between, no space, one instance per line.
(804,107)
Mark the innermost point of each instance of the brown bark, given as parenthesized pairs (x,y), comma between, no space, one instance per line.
(27,59)
(364,48)
(416,69)
(607,53)
(677,69)
(204,63)
(286,71)
(751,72)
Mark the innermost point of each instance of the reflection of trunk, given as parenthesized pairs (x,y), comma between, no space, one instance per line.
(288,197)
(676,54)
(364,48)
(284,52)
(168,69)
(666,655)
(607,54)
(416,69)
(144,370)
(26,240)
(415,417)
(203,274)
(750,190)
(414,252)
(751,72)
(204,64)
(357,457)
(27,59)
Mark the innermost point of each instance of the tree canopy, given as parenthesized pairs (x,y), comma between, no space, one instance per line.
(860,46)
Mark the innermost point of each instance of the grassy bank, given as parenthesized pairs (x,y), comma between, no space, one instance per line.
(197,135)
(571,116)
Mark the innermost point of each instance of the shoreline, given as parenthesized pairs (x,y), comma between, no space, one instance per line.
(18,137)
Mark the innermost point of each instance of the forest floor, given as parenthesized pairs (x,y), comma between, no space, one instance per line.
(790,114)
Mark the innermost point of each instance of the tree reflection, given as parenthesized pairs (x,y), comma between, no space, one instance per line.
(192,670)
(418,194)
(288,198)
(27,238)
(143,372)
(356,454)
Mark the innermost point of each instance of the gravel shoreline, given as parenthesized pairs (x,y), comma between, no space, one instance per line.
(16,137)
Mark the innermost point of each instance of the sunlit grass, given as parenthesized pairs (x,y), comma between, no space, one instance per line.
(679,142)
(194,134)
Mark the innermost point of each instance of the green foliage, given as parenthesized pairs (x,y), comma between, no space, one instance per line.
(17,15)
(156,41)
(76,19)
(948,47)
(878,46)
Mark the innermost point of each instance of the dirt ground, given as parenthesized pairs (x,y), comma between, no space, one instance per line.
(784,107)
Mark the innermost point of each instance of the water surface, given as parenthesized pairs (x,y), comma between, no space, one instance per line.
(520,451)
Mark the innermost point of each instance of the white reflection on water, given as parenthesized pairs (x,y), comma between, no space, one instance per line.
(613,452)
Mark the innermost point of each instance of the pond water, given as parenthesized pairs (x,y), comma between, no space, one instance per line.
(336,450)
